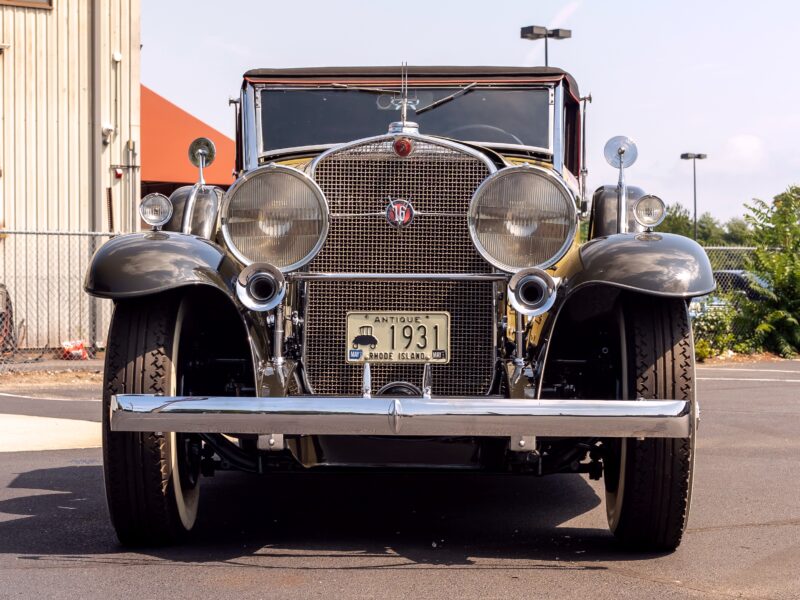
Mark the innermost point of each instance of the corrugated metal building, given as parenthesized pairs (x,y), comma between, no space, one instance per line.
(69,100)
(69,151)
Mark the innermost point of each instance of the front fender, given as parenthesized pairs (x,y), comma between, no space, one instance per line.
(659,264)
(139,264)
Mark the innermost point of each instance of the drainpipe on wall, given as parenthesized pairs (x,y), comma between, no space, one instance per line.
(95,165)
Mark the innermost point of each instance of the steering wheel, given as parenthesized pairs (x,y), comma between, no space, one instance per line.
(482,126)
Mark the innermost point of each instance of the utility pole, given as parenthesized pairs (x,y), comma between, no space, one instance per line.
(694,157)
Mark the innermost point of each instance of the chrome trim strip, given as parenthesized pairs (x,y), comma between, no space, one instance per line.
(299,276)
(279,152)
(383,215)
(557,130)
(289,171)
(249,129)
(423,138)
(325,415)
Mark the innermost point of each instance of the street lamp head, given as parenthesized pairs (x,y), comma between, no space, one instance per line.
(693,155)
(533,32)
(536,32)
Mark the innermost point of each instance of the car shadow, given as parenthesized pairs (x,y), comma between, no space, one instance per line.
(344,520)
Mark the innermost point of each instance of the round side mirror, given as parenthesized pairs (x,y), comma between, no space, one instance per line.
(202,148)
(620,151)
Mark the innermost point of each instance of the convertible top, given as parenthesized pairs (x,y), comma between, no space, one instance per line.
(391,75)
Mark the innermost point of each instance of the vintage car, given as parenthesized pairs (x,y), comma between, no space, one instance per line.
(395,280)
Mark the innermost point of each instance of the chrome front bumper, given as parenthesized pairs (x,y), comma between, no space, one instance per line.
(325,415)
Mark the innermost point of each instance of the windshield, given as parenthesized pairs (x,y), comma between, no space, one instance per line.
(292,118)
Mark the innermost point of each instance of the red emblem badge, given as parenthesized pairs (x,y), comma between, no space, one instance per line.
(400,213)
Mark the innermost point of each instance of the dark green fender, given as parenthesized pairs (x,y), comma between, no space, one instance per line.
(139,264)
(658,264)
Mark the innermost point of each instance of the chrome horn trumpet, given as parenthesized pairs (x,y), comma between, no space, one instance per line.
(532,291)
(260,287)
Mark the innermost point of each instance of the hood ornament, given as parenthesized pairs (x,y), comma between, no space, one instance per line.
(403,125)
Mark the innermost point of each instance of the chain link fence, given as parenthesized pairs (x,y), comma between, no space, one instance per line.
(735,285)
(44,313)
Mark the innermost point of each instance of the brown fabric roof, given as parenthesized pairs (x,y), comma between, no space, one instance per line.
(545,74)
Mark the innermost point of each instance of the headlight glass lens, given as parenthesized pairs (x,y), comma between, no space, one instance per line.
(155,209)
(649,211)
(275,215)
(522,217)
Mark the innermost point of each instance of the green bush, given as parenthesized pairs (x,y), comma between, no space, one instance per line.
(774,319)
(713,332)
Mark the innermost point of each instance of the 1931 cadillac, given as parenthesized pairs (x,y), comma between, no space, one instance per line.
(395,280)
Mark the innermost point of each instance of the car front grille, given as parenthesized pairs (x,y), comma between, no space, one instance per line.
(471,365)
(359,182)
(438,181)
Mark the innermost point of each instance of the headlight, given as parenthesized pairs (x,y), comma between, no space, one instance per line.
(522,217)
(275,215)
(155,209)
(649,211)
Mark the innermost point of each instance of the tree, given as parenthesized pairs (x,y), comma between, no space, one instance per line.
(677,220)
(709,231)
(737,232)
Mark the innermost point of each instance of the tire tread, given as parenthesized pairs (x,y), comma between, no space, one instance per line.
(137,465)
(658,474)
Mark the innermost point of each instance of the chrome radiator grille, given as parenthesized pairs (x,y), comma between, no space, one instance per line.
(358,183)
(471,337)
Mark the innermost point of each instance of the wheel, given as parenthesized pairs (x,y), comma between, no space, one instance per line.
(648,482)
(151,479)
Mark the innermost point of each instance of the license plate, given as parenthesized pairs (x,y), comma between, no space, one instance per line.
(398,337)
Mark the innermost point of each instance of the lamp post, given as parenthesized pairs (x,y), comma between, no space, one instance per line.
(694,157)
(535,32)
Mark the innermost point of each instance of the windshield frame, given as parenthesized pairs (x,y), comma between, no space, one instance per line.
(254,93)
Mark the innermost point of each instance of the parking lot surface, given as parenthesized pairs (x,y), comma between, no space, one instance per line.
(408,535)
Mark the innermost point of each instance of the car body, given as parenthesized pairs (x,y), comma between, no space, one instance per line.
(395,280)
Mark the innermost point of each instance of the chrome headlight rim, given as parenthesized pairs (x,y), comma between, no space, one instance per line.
(167,214)
(272,167)
(637,216)
(563,188)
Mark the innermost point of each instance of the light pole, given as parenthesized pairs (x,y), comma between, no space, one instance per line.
(694,157)
(536,32)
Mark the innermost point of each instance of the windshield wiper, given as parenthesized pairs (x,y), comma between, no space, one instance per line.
(344,86)
(446,99)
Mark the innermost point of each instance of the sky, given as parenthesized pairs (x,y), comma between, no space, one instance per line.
(716,77)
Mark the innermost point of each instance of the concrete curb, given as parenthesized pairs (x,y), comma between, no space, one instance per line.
(94,365)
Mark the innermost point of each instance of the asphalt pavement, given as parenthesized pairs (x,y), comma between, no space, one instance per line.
(410,536)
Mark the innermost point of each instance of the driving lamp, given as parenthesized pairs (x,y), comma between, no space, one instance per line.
(155,210)
(649,211)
